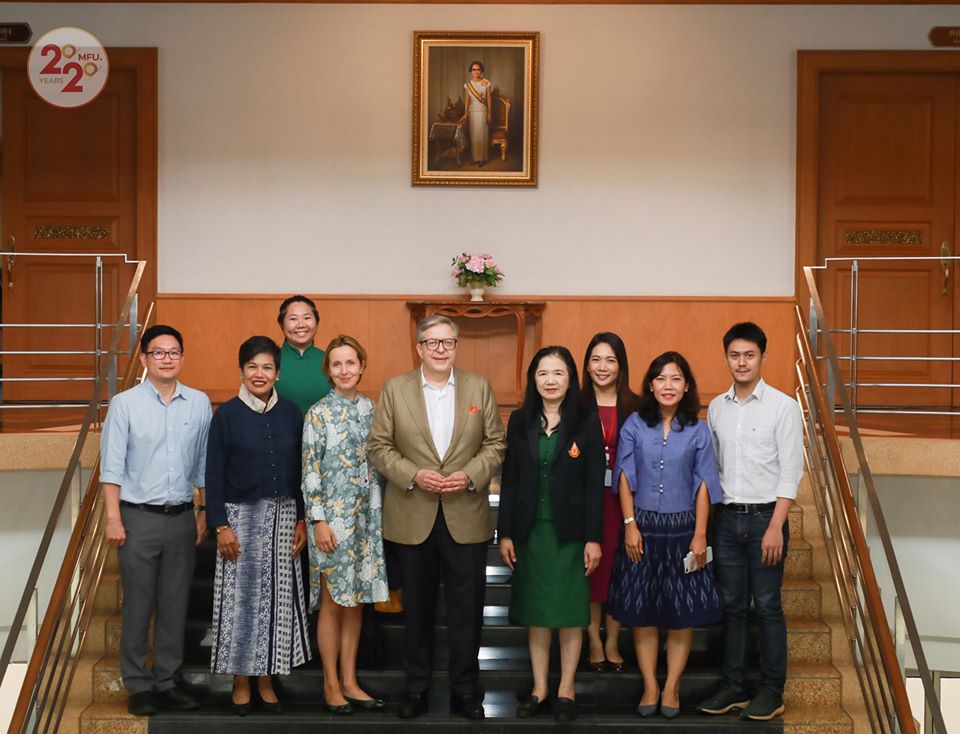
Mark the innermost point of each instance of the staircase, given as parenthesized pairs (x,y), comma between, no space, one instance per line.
(814,695)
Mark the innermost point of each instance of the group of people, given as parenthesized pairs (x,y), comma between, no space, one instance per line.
(605,501)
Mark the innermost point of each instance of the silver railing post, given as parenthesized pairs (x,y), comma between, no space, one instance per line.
(98,314)
(854,335)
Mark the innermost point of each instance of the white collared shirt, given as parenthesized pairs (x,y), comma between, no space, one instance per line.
(440,411)
(254,403)
(759,445)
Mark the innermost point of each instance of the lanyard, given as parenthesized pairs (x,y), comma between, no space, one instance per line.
(605,432)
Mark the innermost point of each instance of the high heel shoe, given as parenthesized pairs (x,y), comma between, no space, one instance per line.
(648,709)
(270,707)
(240,709)
(669,712)
(532,706)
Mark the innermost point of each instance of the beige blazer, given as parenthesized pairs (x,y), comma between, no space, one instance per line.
(400,445)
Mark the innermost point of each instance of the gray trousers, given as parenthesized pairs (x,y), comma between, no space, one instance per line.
(156,569)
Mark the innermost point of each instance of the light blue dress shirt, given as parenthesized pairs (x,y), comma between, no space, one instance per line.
(155,451)
(665,473)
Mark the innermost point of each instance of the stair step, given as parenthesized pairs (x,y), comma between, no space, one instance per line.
(807,684)
(816,720)
(112,718)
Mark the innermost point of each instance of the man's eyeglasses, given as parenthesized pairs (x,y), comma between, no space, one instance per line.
(159,354)
(433,345)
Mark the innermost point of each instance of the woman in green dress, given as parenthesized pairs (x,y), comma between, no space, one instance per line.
(304,381)
(551,521)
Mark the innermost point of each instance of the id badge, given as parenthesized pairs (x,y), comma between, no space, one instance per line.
(608,477)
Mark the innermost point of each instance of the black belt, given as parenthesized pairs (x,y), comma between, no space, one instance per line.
(160,509)
(742,509)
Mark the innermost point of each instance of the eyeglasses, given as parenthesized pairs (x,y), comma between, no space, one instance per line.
(433,345)
(159,354)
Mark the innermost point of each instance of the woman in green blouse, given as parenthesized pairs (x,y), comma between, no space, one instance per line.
(303,379)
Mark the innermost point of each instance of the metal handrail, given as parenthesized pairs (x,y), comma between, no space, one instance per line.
(98,353)
(855,331)
(881,675)
(61,635)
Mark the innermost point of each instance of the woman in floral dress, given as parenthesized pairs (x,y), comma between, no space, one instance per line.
(342,494)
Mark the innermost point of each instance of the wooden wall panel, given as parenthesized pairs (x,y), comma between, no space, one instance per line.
(214,325)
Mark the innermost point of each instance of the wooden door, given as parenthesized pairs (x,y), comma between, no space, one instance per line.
(887,188)
(74,181)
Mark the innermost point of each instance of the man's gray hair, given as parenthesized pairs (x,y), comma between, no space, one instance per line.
(436,320)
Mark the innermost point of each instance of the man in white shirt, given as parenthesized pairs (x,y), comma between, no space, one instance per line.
(758,435)
(438,439)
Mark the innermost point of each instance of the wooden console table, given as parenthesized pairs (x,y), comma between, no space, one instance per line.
(520,310)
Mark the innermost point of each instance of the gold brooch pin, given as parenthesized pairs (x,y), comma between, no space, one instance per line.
(574,451)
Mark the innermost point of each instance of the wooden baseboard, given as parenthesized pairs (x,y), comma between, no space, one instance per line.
(214,325)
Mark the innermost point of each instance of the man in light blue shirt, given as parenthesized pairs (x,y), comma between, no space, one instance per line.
(153,451)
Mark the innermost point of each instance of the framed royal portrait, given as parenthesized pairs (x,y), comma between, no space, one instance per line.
(476,102)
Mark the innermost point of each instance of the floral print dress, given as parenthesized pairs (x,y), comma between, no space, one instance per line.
(342,488)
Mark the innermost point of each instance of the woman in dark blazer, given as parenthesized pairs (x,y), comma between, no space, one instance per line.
(253,500)
(551,520)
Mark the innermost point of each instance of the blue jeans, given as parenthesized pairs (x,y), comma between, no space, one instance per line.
(742,576)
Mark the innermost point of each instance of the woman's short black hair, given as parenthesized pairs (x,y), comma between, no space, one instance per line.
(532,408)
(748,331)
(159,330)
(689,405)
(478,63)
(287,302)
(259,345)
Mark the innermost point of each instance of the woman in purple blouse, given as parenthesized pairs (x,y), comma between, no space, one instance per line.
(666,478)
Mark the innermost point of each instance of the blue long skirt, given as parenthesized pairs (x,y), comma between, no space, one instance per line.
(656,592)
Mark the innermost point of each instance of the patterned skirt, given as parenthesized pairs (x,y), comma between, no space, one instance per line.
(259,618)
(656,592)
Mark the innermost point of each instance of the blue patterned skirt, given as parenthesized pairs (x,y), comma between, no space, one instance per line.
(656,592)
(259,617)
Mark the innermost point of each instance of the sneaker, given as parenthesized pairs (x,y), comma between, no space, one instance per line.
(764,706)
(723,701)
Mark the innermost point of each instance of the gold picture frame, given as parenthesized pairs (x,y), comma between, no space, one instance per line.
(476,130)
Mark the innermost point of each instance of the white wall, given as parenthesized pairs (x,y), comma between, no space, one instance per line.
(667,144)
(921,516)
(28,498)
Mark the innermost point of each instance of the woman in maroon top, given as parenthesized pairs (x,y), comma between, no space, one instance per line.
(606,389)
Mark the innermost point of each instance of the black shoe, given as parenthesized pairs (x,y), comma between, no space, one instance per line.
(173,699)
(241,709)
(342,709)
(270,707)
(724,701)
(532,706)
(368,704)
(764,706)
(141,704)
(467,705)
(413,705)
(565,709)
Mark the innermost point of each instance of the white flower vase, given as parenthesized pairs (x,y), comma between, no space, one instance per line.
(476,292)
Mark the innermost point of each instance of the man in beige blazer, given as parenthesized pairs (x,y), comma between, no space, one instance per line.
(438,439)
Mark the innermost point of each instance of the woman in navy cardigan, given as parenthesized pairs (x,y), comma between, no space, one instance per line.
(551,521)
(253,500)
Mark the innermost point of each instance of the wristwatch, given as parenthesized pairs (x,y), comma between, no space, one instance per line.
(628,520)
(471,487)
